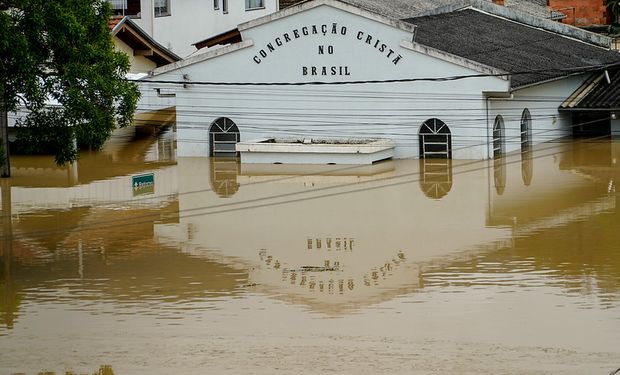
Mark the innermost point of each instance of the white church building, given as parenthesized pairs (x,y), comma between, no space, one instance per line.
(472,80)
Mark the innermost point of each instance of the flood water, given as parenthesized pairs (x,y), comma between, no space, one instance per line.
(132,261)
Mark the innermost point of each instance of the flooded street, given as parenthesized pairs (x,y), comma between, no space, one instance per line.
(135,262)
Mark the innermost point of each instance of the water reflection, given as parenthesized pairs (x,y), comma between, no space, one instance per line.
(326,241)
(527,165)
(103,370)
(224,172)
(499,174)
(435,177)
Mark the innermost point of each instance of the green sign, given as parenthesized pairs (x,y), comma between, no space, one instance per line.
(143,184)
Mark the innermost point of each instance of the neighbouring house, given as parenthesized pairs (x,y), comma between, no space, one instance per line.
(178,25)
(145,54)
(471,80)
(583,12)
(405,8)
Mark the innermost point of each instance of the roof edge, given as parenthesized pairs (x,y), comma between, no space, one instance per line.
(143,34)
(455,59)
(311,4)
(522,17)
(209,54)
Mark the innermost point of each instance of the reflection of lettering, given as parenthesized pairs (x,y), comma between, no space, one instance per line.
(310,276)
(332,243)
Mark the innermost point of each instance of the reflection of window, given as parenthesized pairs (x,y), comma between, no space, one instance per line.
(527,166)
(498,137)
(435,177)
(126,7)
(224,174)
(499,174)
(162,8)
(254,4)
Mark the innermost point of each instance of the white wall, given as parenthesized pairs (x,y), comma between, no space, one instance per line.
(377,110)
(543,102)
(191,21)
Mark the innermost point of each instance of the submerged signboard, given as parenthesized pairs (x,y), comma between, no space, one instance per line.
(143,184)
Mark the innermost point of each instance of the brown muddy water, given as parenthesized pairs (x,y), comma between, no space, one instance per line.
(405,267)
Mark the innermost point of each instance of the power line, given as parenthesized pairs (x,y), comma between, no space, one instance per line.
(265,201)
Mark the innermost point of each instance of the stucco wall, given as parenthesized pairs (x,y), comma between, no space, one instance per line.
(138,64)
(191,21)
(542,101)
(394,110)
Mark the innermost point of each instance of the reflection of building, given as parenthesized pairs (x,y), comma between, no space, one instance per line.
(337,242)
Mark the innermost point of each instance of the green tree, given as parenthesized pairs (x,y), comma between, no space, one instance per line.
(62,52)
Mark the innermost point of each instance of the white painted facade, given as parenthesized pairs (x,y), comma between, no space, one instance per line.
(542,102)
(333,43)
(190,21)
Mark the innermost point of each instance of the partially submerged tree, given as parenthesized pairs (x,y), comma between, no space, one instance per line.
(57,61)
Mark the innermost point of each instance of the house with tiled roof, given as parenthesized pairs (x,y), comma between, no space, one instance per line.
(407,8)
(179,24)
(144,52)
(471,80)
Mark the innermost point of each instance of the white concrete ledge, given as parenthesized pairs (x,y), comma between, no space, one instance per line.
(315,151)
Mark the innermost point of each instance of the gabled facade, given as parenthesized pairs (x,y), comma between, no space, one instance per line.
(145,54)
(177,25)
(469,82)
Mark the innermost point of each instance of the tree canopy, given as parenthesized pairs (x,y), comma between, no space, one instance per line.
(57,60)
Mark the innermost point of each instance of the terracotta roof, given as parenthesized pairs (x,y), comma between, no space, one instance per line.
(113,21)
(399,9)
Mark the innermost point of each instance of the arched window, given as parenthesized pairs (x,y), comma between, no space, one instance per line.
(498,137)
(527,166)
(435,139)
(526,130)
(223,136)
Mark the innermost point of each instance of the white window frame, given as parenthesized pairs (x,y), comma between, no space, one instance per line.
(161,14)
(248,5)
